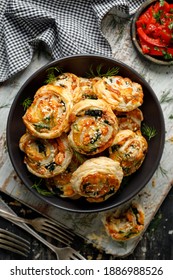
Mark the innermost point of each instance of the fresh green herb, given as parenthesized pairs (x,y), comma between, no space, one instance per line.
(75,127)
(161,3)
(148,131)
(40,126)
(167,55)
(166,97)
(170,26)
(98,72)
(4,106)
(171,117)
(163,171)
(157,16)
(27,103)
(40,189)
(52,73)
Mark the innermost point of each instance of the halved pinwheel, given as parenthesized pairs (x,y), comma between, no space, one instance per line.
(97,179)
(93,128)
(120,93)
(129,148)
(48,115)
(45,157)
(123,225)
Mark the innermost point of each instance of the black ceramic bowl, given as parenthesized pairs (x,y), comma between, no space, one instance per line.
(134,36)
(80,65)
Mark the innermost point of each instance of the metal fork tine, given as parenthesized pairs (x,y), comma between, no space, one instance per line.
(13,243)
(60,228)
(11,249)
(14,246)
(59,231)
(56,236)
(13,237)
(77,256)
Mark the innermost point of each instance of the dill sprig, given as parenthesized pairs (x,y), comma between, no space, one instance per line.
(161,2)
(163,171)
(166,97)
(148,131)
(98,72)
(4,106)
(52,73)
(27,103)
(41,190)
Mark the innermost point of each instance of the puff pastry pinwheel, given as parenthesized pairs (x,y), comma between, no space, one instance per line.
(97,179)
(130,120)
(46,157)
(48,115)
(60,184)
(69,82)
(123,225)
(121,93)
(93,128)
(86,89)
(129,148)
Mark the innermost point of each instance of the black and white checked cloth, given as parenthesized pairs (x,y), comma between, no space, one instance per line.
(63,27)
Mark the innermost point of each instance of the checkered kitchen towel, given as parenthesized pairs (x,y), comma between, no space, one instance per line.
(64,27)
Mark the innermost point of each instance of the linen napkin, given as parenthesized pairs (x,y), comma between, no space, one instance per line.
(62,27)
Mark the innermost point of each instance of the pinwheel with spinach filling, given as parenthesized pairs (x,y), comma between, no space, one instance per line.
(48,115)
(129,148)
(120,93)
(123,225)
(93,126)
(68,81)
(97,179)
(45,157)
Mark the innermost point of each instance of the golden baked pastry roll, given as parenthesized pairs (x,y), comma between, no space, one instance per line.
(121,93)
(93,128)
(123,225)
(86,89)
(129,148)
(97,179)
(60,184)
(48,115)
(68,81)
(45,157)
(130,120)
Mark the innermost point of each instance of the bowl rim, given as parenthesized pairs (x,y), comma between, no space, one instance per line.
(134,36)
(99,207)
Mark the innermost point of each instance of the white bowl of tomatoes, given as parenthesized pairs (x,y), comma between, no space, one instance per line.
(152,31)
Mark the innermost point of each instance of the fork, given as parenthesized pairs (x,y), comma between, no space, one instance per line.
(14,243)
(45,226)
(65,253)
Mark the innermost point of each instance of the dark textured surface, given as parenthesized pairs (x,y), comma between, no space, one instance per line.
(156,244)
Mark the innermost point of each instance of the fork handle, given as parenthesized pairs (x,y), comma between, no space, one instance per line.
(20,222)
(8,215)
